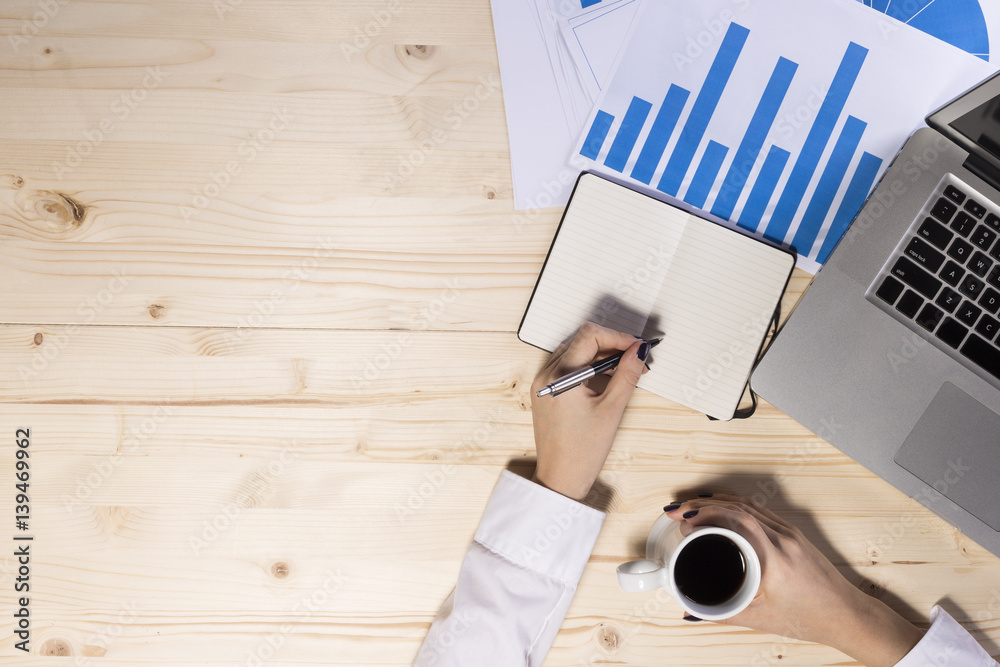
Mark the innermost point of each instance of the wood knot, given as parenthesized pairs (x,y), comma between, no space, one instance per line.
(16,182)
(610,638)
(156,311)
(490,193)
(418,51)
(47,51)
(280,570)
(39,338)
(56,647)
(60,213)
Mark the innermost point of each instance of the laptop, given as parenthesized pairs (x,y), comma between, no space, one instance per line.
(892,355)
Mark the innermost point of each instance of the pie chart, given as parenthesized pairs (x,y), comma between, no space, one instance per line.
(958,22)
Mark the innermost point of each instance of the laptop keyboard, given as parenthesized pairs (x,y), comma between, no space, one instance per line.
(943,280)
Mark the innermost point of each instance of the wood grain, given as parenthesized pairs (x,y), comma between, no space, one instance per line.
(262,281)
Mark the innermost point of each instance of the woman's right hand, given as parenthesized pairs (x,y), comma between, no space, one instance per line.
(802,595)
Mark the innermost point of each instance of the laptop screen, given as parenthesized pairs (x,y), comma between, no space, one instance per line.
(972,120)
(982,125)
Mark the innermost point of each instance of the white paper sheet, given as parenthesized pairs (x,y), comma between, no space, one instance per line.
(594,36)
(903,74)
(970,25)
(545,98)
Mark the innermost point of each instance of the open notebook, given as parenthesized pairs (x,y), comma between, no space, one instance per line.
(636,264)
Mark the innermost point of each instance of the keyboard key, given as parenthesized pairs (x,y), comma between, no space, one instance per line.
(995,253)
(988,327)
(889,290)
(980,264)
(968,314)
(990,300)
(983,238)
(960,250)
(994,278)
(943,210)
(975,208)
(982,353)
(921,252)
(929,317)
(971,286)
(948,299)
(935,232)
(910,303)
(993,220)
(952,273)
(951,332)
(954,194)
(916,277)
(963,223)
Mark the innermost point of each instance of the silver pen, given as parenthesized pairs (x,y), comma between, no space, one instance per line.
(577,378)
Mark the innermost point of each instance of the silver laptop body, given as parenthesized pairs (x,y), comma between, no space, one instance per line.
(888,356)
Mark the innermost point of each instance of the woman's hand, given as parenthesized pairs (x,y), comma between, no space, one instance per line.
(574,430)
(802,595)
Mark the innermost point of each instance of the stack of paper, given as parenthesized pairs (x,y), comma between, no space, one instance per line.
(775,117)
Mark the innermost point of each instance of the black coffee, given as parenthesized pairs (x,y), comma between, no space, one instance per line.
(710,570)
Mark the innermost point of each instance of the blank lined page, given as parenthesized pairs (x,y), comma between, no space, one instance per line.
(632,263)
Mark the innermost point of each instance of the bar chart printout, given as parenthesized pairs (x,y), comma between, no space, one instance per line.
(695,181)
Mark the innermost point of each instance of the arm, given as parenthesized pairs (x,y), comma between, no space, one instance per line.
(520,574)
(802,595)
(517,580)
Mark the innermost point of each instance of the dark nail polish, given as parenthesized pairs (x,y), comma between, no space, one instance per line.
(691,618)
(643,351)
(648,368)
(691,514)
(671,507)
(704,495)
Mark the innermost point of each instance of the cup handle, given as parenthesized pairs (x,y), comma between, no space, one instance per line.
(637,576)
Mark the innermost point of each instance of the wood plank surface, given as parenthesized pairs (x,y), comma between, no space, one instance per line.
(262,282)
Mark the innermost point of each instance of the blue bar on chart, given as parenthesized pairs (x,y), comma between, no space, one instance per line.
(749,149)
(854,198)
(705,174)
(816,141)
(829,182)
(598,133)
(621,148)
(587,3)
(659,134)
(703,109)
(763,188)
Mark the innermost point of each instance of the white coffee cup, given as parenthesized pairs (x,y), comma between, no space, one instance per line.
(663,546)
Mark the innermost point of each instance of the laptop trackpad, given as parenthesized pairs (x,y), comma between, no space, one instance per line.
(955,448)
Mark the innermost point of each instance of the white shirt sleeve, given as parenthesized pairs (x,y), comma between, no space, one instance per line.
(946,644)
(517,580)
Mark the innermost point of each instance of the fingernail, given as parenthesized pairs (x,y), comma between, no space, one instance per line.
(648,368)
(643,351)
(691,515)
(671,507)
(704,495)
(693,619)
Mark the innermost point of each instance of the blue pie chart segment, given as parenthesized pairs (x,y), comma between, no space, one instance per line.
(958,22)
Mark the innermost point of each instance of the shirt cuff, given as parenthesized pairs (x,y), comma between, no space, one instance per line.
(946,644)
(539,529)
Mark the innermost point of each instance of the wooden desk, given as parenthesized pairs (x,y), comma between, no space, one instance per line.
(261,280)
